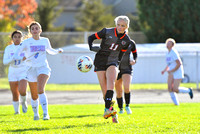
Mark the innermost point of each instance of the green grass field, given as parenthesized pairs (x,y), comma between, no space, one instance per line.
(64,87)
(146,118)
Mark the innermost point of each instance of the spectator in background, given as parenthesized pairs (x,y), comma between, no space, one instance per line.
(175,72)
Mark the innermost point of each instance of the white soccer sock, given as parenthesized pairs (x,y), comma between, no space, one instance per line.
(174,98)
(23,98)
(35,106)
(16,106)
(44,102)
(183,90)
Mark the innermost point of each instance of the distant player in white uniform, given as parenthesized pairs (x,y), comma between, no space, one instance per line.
(175,72)
(16,73)
(38,69)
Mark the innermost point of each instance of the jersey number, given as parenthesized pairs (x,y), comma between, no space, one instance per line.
(17,62)
(113,46)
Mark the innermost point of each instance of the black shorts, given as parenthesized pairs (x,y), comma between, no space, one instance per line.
(103,67)
(101,63)
(119,76)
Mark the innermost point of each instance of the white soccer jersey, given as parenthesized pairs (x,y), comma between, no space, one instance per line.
(8,56)
(17,68)
(171,58)
(36,51)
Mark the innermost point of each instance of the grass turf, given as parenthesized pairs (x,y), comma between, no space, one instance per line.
(146,118)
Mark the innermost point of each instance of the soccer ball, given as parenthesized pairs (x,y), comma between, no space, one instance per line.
(84,63)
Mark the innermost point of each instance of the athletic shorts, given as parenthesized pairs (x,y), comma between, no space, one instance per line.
(101,62)
(121,72)
(178,74)
(34,72)
(103,67)
(17,74)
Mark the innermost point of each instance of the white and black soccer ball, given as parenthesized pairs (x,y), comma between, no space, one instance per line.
(84,63)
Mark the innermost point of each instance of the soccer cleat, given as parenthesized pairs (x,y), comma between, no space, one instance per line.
(191,93)
(128,110)
(115,118)
(112,103)
(108,113)
(36,118)
(24,107)
(121,111)
(46,117)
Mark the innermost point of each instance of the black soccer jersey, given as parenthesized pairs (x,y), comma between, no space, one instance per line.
(111,45)
(125,61)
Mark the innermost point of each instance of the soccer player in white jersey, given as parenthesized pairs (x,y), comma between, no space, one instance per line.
(16,73)
(175,72)
(38,69)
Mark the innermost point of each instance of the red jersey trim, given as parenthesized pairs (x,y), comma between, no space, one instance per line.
(97,36)
(123,50)
(116,34)
(122,36)
(134,51)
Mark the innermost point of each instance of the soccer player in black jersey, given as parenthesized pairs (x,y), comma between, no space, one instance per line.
(114,40)
(125,77)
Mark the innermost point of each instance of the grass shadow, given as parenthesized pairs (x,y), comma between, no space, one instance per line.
(71,116)
(6,121)
(62,127)
(28,129)
(6,114)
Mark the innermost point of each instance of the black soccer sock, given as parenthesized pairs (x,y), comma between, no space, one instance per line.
(105,102)
(120,102)
(127,98)
(108,99)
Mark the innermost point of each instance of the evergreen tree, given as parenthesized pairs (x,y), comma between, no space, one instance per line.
(46,15)
(179,19)
(134,23)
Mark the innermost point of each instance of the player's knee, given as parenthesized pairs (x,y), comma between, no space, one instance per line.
(22,92)
(175,90)
(15,98)
(170,89)
(34,97)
